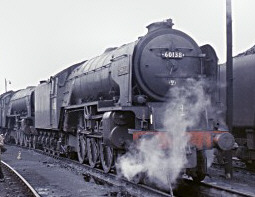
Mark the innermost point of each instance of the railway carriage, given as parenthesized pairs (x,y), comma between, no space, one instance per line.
(243,103)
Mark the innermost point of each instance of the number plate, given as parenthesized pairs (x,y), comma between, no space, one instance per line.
(172,55)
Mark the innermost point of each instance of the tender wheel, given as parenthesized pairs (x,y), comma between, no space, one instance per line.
(21,138)
(92,147)
(34,142)
(16,138)
(81,148)
(106,157)
(26,140)
(30,141)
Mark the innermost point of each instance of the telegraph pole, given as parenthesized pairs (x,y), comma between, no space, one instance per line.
(229,66)
(229,78)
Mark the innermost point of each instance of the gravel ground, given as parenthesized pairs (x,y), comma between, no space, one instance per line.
(12,187)
(242,181)
(50,178)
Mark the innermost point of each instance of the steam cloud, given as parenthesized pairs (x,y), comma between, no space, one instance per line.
(183,111)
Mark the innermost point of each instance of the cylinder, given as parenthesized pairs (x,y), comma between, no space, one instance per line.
(224,141)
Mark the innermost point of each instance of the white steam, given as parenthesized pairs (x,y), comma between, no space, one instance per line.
(183,111)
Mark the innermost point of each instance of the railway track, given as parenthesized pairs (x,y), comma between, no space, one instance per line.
(129,188)
(133,189)
(19,186)
(227,190)
(211,189)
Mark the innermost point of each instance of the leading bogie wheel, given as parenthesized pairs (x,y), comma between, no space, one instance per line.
(106,157)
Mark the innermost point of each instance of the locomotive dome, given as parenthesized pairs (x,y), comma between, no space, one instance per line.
(163,58)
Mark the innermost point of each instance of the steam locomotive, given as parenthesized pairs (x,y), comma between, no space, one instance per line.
(243,125)
(96,108)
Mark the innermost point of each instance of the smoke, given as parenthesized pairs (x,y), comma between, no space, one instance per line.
(185,110)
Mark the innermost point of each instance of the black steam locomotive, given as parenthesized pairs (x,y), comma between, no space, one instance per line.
(97,107)
(243,103)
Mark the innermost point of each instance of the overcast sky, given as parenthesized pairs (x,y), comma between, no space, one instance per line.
(39,38)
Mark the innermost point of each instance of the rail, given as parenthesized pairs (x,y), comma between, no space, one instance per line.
(30,188)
